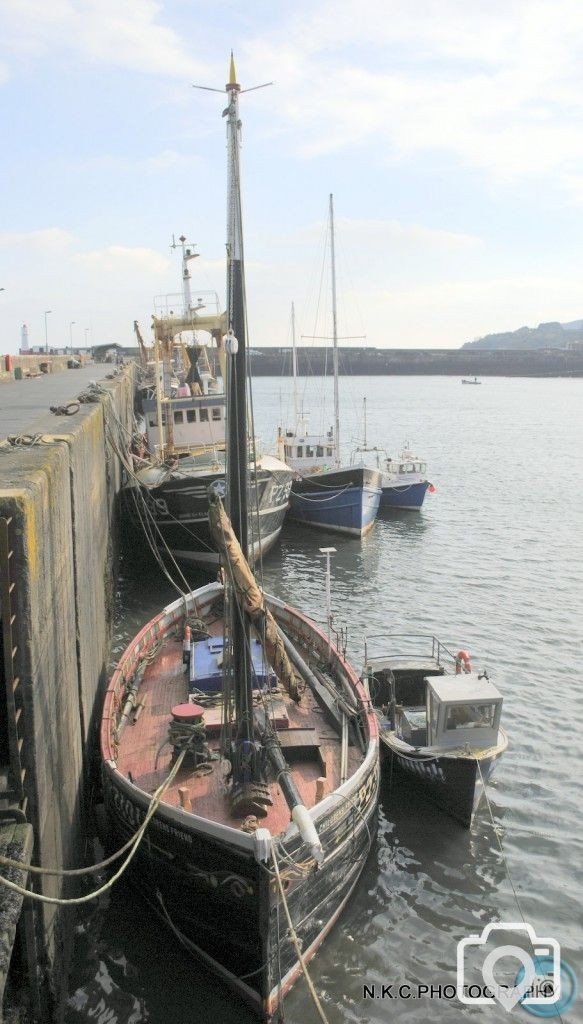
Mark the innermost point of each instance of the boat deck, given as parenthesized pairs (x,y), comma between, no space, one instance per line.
(146,758)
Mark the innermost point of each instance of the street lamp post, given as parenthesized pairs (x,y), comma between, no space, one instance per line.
(47,311)
(86,334)
(71,325)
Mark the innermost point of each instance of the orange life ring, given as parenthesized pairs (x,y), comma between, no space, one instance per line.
(462,662)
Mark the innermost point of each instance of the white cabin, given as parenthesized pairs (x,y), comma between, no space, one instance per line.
(462,710)
(307,453)
(197,422)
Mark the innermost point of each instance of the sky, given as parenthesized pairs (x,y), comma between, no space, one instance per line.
(449,131)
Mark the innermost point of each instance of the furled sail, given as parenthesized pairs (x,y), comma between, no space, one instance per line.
(250,596)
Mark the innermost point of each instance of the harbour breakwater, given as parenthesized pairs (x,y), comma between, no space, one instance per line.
(367,361)
(58,492)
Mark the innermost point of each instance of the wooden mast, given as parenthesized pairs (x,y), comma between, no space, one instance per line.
(249,791)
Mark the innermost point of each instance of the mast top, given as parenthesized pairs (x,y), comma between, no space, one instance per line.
(232,83)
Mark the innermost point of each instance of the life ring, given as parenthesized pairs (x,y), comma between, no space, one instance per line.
(462,662)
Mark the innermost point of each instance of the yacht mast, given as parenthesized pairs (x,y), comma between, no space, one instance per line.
(334,335)
(294,366)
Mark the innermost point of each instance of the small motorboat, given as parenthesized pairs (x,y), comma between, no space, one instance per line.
(439,720)
(404,481)
(474,381)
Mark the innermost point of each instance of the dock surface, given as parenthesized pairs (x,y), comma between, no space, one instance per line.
(22,402)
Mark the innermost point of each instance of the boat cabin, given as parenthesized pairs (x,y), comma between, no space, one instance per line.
(196,421)
(462,710)
(404,467)
(307,453)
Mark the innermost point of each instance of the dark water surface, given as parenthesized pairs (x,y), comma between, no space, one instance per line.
(493,563)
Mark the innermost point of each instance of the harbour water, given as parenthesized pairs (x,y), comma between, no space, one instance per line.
(493,563)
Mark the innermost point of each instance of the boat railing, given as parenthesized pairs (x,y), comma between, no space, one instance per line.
(172,304)
(393,646)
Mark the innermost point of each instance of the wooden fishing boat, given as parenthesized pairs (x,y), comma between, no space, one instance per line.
(244,739)
(439,720)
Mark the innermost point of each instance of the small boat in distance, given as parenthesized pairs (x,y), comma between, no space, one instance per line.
(440,728)
(237,734)
(474,381)
(325,493)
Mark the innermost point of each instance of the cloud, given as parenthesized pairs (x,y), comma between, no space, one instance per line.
(127,34)
(498,85)
(115,259)
(43,239)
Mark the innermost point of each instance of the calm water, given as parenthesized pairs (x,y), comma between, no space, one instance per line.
(493,563)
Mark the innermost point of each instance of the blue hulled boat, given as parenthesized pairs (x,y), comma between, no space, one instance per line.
(344,500)
(326,494)
(404,482)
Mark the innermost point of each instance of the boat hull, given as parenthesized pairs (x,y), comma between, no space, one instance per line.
(214,885)
(178,508)
(224,906)
(410,496)
(456,783)
(344,501)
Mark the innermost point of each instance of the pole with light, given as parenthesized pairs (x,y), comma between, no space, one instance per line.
(86,335)
(328,552)
(47,311)
(71,325)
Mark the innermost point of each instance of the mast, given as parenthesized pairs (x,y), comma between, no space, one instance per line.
(334,335)
(187,255)
(249,792)
(294,366)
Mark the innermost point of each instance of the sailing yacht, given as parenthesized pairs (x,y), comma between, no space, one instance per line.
(237,734)
(325,493)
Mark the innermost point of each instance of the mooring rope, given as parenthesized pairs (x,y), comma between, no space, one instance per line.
(134,843)
(296,941)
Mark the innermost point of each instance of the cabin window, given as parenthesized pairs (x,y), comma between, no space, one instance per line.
(423,467)
(329,452)
(309,452)
(288,450)
(179,416)
(191,415)
(300,451)
(319,452)
(471,716)
(216,414)
(204,416)
(153,422)
(402,468)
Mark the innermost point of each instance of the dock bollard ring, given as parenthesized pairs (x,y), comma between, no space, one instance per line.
(66,410)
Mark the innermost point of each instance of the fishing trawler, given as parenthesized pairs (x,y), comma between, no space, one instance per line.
(325,493)
(242,738)
(183,451)
(439,720)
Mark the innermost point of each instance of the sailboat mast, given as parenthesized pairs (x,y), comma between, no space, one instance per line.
(237,452)
(294,365)
(334,334)
(236,341)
